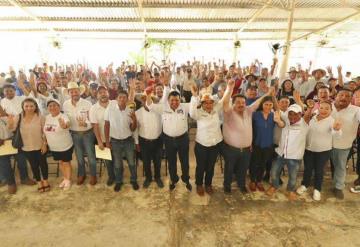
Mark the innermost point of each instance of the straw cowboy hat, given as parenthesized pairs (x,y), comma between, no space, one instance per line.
(247,76)
(292,69)
(74,85)
(206,97)
(321,70)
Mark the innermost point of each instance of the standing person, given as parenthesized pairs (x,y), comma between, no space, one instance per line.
(151,144)
(58,137)
(349,116)
(237,132)
(120,122)
(5,167)
(77,109)
(189,81)
(34,142)
(97,119)
(264,121)
(208,139)
(290,151)
(322,128)
(175,132)
(11,104)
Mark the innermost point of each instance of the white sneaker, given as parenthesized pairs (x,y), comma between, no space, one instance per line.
(62,184)
(67,185)
(301,190)
(316,195)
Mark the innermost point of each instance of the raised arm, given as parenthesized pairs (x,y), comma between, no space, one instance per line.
(227,95)
(193,111)
(340,76)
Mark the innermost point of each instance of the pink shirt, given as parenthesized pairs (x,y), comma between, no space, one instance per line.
(237,129)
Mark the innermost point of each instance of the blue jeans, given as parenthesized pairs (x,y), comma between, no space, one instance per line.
(238,160)
(120,149)
(339,160)
(84,145)
(22,165)
(293,168)
(6,170)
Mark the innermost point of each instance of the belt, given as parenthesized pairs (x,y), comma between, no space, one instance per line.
(122,140)
(81,132)
(176,137)
(240,149)
(148,140)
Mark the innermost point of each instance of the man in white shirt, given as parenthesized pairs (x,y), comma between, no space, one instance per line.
(77,109)
(149,129)
(11,104)
(120,122)
(349,116)
(290,151)
(96,116)
(175,127)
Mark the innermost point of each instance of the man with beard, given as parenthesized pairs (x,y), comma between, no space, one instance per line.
(77,109)
(349,116)
(97,120)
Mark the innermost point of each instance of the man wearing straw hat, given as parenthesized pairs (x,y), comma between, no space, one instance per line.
(83,137)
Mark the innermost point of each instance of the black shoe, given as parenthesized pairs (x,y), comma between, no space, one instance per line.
(135,185)
(146,183)
(227,190)
(110,182)
(243,190)
(159,183)
(188,186)
(338,194)
(117,187)
(172,186)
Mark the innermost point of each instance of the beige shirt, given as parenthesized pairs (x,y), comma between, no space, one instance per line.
(32,133)
(237,129)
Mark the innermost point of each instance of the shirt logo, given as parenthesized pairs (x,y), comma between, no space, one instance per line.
(180,111)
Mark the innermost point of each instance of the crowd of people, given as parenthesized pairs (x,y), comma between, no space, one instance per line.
(258,121)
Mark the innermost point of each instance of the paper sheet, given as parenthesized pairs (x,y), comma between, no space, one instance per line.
(7,149)
(103,154)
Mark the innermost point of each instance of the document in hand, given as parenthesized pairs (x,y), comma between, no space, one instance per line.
(103,154)
(7,149)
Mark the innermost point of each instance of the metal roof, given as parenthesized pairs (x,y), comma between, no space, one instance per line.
(182,19)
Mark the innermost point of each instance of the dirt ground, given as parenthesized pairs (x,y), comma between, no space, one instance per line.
(97,216)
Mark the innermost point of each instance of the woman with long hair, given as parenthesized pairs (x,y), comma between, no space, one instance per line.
(31,124)
(287,89)
(264,120)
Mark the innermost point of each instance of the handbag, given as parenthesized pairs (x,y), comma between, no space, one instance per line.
(16,140)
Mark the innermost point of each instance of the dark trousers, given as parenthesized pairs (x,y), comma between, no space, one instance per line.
(174,146)
(205,163)
(238,159)
(187,95)
(151,151)
(314,162)
(6,170)
(358,156)
(259,159)
(38,164)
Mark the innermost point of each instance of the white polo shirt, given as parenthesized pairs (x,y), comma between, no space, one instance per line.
(12,106)
(97,116)
(119,121)
(175,123)
(208,131)
(81,109)
(350,119)
(321,134)
(293,140)
(149,124)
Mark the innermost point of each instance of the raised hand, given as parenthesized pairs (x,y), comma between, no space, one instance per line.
(296,95)
(231,83)
(194,90)
(271,91)
(329,69)
(62,123)
(82,121)
(277,117)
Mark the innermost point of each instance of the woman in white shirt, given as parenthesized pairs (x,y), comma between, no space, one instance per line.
(322,129)
(59,139)
(208,139)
